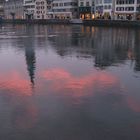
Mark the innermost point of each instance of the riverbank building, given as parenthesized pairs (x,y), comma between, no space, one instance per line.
(104,9)
(86,9)
(127,9)
(13,9)
(65,9)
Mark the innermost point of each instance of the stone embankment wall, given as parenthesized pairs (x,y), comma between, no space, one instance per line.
(50,21)
(109,23)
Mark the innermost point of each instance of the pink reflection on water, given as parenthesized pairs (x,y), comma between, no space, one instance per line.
(15,82)
(17,89)
(133,104)
(28,116)
(61,80)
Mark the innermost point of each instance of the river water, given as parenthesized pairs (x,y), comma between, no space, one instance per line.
(69,83)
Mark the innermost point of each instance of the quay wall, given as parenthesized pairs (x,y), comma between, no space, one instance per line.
(49,21)
(108,23)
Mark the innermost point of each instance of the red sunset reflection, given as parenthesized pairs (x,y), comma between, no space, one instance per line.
(14,81)
(16,85)
(27,117)
(61,79)
(133,104)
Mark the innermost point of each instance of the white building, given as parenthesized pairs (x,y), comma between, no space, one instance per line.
(49,9)
(104,8)
(40,9)
(43,9)
(65,9)
(127,9)
(29,9)
(13,9)
(86,9)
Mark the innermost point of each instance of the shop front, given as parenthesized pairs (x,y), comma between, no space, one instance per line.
(85,13)
(125,16)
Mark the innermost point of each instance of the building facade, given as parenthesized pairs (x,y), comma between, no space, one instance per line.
(65,9)
(43,9)
(29,9)
(127,9)
(49,9)
(40,9)
(86,9)
(104,8)
(13,9)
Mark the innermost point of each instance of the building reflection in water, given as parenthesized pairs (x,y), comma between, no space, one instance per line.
(108,46)
(137,51)
(30,55)
(30,61)
(72,99)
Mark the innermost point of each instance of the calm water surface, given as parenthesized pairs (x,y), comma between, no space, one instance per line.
(69,83)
